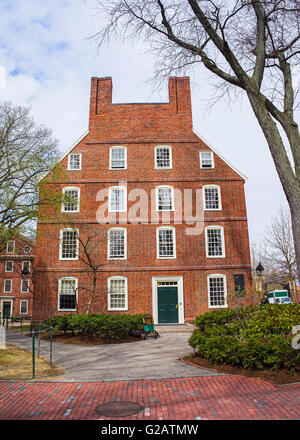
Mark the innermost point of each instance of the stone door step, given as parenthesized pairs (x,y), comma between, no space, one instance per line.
(179,328)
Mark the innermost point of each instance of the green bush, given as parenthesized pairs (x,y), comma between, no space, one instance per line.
(101,326)
(254,337)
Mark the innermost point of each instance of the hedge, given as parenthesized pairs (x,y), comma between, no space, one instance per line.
(101,326)
(254,337)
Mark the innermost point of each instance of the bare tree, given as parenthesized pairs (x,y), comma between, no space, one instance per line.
(27,152)
(249,45)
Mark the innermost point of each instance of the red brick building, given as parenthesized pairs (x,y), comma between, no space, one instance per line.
(15,288)
(137,168)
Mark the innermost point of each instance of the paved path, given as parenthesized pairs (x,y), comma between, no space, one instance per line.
(192,398)
(150,359)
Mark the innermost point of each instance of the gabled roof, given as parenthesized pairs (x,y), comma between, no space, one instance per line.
(220,156)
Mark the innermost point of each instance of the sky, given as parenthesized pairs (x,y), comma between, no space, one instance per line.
(47,60)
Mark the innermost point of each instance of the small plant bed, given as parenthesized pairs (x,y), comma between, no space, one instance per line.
(276,378)
(93,329)
(68,338)
(16,364)
(257,341)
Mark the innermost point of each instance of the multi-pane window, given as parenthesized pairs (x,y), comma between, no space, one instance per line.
(164,197)
(10,248)
(67,291)
(239,284)
(7,286)
(212,198)
(9,267)
(117,243)
(215,241)
(117,199)
(217,291)
(166,247)
(117,294)
(71,198)
(69,244)
(163,157)
(26,265)
(206,159)
(74,162)
(118,158)
(24,307)
(24,286)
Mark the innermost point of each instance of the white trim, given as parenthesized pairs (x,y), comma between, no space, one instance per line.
(172,197)
(124,188)
(179,280)
(11,241)
(12,266)
(222,238)
(71,188)
(220,156)
(65,154)
(125,244)
(28,289)
(60,244)
(170,154)
(212,160)
(217,275)
(80,162)
(24,301)
(4,299)
(219,196)
(11,285)
(157,242)
(76,293)
(112,309)
(117,147)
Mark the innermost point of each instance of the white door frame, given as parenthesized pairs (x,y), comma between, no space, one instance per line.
(179,280)
(7,299)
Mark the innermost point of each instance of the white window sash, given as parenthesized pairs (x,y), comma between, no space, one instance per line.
(202,160)
(218,306)
(220,228)
(109,243)
(111,190)
(60,292)
(64,204)
(12,266)
(171,191)
(163,147)
(69,161)
(61,244)
(112,160)
(7,247)
(10,286)
(110,294)
(166,257)
(216,187)
(22,303)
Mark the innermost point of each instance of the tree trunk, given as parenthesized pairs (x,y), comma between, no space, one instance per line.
(289,181)
(92,293)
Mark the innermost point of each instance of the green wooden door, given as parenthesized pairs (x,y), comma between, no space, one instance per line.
(6,310)
(167,305)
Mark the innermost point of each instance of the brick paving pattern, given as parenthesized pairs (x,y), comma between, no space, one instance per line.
(193,398)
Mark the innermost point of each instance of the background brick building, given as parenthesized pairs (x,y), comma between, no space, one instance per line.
(133,151)
(15,289)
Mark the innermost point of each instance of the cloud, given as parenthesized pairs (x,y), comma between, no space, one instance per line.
(48,62)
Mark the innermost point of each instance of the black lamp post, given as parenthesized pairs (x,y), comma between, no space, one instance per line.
(259,270)
(25,272)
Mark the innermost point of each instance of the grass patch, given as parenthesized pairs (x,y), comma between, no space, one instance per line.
(16,364)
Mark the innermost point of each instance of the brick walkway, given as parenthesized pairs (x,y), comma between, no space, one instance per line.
(192,398)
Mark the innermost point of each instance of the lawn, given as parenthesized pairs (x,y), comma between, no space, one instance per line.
(16,364)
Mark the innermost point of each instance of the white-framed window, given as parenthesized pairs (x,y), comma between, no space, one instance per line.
(26,264)
(117,293)
(166,242)
(24,286)
(164,198)
(212,198)
(214,242)
(206,159)
(117,199)
(27,249)
(23,307)
(9,266)
(118,158)
(163,157)
(74,161)
(217,291)
(69,244)
(10,247)
(67,293)
(7,286)
(71,199)
(117,244)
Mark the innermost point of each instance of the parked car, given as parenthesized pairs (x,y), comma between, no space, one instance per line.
(279,297)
